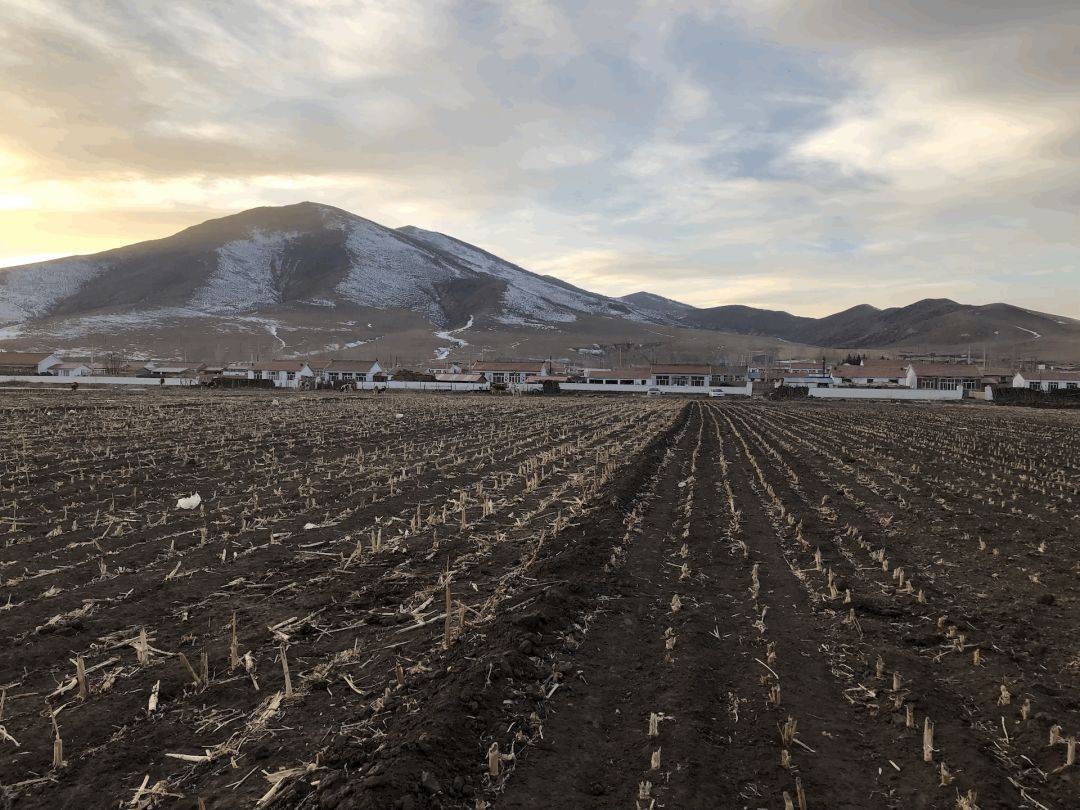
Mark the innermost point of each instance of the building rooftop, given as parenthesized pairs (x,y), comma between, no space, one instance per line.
(534,366)
(681,368)
(23,358)
(349,366)
(618,373)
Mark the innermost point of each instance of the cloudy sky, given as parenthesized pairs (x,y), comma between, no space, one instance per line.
(798,155)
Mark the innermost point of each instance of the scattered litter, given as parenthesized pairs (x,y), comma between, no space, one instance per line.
(190,502)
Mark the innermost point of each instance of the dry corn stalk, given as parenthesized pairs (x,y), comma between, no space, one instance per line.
(142,648)
(234,652)
(190,669)
(946,776)
(285,672)
(80,677)
(928,741)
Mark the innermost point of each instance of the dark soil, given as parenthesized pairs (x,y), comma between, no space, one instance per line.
(728,568)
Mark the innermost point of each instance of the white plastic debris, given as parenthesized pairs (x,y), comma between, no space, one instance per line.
(309,526)
(190,502)
(399,416)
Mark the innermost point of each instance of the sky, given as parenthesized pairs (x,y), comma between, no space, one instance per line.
(806,156)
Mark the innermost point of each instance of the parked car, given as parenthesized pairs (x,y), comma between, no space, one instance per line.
(653,392)
(716,392)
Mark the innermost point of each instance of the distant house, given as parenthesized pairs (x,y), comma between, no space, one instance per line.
(243,371)
(510,372)
(799,380)
(804,368)
(681,374)
(27,363)
(1047,380)
(284,373)
(729,375)
(336,372)
(947,376)
(165,371)
(442,367)
(70,369)
(875,374)
(689,375)
(617,376)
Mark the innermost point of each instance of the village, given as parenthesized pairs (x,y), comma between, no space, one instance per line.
(863,379)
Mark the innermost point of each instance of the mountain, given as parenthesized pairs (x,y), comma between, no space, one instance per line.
(930,322)
(305,254)
(311,278)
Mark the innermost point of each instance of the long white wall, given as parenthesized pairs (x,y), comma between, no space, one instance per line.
(729,390)
(148,382)
(415,385)
(886,393)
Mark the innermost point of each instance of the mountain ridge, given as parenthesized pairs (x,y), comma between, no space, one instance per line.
(272,262)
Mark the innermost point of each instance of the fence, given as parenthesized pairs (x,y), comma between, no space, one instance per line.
(908,394)
(90,379)
(412,385)
(600,388)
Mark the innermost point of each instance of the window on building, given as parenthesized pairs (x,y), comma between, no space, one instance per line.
(1053,386)
(626,382)
(680,379)
(1033,385)
(290,375)
(697,380)
(1071,386)
(663,379)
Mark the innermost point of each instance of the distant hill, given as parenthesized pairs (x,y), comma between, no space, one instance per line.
(325,279)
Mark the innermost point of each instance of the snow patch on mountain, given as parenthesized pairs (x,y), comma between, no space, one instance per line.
(244,278)
(527,296)
(387,272)
(31,290)
(442,352)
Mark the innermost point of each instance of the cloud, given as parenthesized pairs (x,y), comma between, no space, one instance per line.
(808,156)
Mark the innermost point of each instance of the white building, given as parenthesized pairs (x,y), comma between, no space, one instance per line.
(339,372)
(617,376)
(512,372)
(689,375)
(70,369)
(442,367)
(284,373)
(878,374)
(1047,380)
